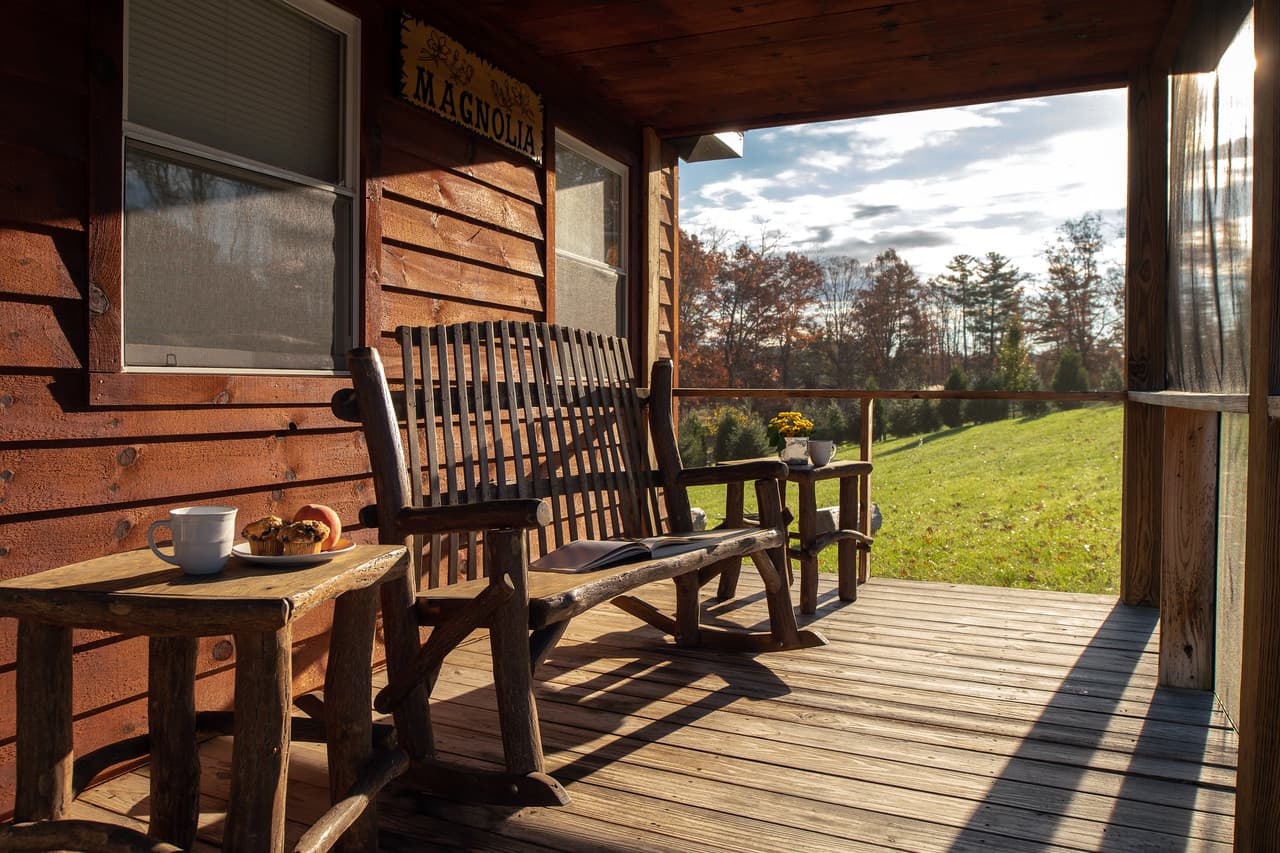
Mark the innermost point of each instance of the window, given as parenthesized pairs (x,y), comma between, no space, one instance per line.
(239,170)
(591,228)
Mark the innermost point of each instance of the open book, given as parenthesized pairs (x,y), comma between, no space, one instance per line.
(587,554)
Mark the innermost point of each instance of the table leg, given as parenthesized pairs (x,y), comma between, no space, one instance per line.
(175,757)
(348,686)
(260,749)
(847,549)
(808,558)
(45,751)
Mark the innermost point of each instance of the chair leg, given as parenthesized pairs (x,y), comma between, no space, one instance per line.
(505,553)
(772,566)
(688,618)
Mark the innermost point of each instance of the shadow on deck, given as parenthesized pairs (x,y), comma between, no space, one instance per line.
(940,718)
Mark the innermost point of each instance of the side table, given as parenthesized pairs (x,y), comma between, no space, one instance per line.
(135,593)
(853,540)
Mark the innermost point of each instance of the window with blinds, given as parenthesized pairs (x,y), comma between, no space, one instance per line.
(591,205)
(239,172)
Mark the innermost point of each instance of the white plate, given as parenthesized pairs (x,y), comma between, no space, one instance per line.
(241,550)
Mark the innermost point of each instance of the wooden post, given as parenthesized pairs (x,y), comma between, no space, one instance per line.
(864,483)
(846,549)
(44,749)
(650,297)
(1258,769)
(171,721)
(808,529)
(348,718)
(260,745)
(505,554)
(1190,555)
(1145,299)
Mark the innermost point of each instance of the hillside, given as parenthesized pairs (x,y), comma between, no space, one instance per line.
(1025,503)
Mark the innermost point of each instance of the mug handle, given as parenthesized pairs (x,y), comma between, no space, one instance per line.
(151,540)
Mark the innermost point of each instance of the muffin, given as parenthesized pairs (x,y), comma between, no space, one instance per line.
(264,536)
(303,537)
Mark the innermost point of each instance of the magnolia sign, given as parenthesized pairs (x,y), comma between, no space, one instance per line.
(440,76)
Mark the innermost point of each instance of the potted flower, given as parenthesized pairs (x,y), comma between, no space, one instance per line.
(789,434)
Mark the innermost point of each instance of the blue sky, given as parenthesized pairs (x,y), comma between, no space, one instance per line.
(996,177)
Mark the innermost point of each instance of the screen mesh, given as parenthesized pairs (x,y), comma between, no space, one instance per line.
(227,269)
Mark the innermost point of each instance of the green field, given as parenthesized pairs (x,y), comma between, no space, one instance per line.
(1024,503)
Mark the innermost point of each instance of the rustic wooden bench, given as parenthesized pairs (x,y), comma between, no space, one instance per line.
(528,436)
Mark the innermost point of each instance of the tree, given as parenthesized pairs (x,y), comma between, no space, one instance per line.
(951,409)
(958,284)
(1070,376)
(996,295)
(843,278)
(700,262)
(1013,363)
(1077,308)
(893,328)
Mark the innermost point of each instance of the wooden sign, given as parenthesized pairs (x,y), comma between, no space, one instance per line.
(439,75)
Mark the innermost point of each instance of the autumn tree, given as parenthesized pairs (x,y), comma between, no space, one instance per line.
(843,278)
(893,328)
(700,261)
(1076,309)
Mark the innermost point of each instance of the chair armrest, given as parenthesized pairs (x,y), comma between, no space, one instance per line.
(519,514)
(734,472)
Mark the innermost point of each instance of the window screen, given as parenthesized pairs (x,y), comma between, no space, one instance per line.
(238,207)
(225,268)
(591,282)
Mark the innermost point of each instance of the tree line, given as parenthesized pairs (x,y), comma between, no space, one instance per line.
(752,316)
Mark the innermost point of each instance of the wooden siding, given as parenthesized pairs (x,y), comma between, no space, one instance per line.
(455,229)
(940,718)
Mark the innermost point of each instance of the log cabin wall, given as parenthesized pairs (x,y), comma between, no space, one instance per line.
(455,228)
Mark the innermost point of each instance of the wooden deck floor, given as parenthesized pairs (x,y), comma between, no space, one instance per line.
(940,718)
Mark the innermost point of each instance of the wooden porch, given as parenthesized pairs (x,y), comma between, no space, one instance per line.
(940,718)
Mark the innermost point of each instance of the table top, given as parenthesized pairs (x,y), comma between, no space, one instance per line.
(832,470)
(136,592)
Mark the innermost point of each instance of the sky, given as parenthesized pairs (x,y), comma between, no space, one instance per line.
(997,177)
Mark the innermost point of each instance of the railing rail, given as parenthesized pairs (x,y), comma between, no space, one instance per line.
(884,394)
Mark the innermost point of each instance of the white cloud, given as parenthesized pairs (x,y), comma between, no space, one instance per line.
(995,177)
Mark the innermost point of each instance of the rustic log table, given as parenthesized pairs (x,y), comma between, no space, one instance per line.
(853,540)
(135,593)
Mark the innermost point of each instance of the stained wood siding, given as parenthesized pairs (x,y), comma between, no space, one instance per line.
(667,263)
(455,229)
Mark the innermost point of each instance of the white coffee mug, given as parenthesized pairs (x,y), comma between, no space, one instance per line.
(821,451)
(202,538)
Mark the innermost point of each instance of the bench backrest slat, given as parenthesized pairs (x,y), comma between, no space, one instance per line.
(507,410)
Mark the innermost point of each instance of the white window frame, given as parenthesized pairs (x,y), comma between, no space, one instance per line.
(347,26)
(585,151)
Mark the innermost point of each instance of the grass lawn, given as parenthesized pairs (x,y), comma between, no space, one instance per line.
(1025,503)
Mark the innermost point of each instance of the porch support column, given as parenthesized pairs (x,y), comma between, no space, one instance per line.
(1145,322)
(651,295)
(1258,772)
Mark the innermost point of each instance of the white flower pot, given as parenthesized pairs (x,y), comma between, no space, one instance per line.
(796,451)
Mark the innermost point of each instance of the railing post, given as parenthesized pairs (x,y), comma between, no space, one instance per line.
(864,485)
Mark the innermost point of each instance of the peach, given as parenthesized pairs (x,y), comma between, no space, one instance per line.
(325,514)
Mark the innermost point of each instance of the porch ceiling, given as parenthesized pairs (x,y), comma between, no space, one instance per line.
(689,67)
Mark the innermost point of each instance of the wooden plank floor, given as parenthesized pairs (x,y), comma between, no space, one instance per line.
(939,718)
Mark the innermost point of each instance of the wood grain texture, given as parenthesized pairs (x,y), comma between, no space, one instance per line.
(171,723)
(428,184)
(135,592)
(42,336)
(45,542)
(45,478)
(106,179)
(260,749)
(1189,553)
(1258,797)
(348,722)
(43,263)
(189,389)
(45,748)
(459,279)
